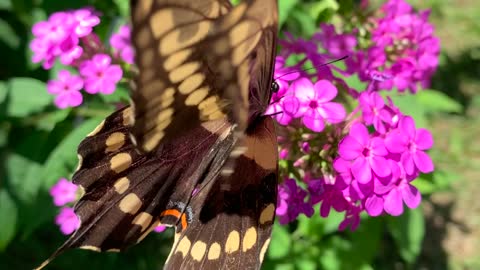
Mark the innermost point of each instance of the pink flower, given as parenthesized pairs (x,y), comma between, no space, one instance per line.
(100,75)
(67,220)
(60,35)
(160,228)
(291,202)
(63,192)
(121,42)
(366,154)
(374,111)
(411,143)
(314,104)
(67,90)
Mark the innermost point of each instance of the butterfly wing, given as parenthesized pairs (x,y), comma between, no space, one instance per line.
(194,60)
(234,214)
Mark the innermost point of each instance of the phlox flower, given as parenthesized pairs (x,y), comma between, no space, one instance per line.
(121,42)
(411,143)
(366,153)
(100,75)
(314,104)
(67,89)
(67,220)
(292,202)
(374,111)
(63,192)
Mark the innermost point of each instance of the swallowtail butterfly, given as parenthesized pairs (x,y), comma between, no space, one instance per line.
(194,149)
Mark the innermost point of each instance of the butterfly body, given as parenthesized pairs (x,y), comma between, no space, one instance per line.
(193,150)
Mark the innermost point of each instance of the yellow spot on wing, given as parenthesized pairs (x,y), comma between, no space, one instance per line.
(173,41)
(191,83)
(176,59)
(121,185)
(249,239)
(80,161)
(264,249)
(214,251)
(130,204)
(184,246)
(92,248)
(198,250)
(143,220)
(267,214)
(127,115)
(120,162)
(197,96)
(115,141)
(233,242)
(143,8)
(183,71)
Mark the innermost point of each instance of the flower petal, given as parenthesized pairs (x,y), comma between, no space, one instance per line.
(393,203)
(374,205)
(324,91)
(380,166)
(423,139)
(411,196)
(303,89)
(407,124)
(349,148)
(423,162)
(333,112)
(361,170)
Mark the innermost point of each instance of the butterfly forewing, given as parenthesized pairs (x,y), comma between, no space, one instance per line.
(194,62)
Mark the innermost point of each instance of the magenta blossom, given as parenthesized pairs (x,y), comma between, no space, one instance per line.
(100,75)
(160,228)
(59,36)
(292,202)
(67,220)
(67,89)
(411,143)
(63,192)
(314,104)
(366,154)
(121,42)
(404,192)
(374,111)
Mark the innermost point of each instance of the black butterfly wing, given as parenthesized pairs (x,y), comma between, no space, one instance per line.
(127,194)
(233,215)
(194,60)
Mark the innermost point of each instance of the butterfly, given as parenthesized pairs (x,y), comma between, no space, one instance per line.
(194,149)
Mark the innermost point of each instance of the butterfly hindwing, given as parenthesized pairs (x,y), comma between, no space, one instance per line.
(234,214)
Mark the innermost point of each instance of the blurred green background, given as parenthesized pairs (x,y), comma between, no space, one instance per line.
(38,146)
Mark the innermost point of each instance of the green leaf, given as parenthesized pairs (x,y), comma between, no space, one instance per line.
(408,231)
(22,175)
(280,244)
(121,95)
(123,6)
(8,219)
(436,101)
(8,35)
(284,9)
(26,96)
(63,159)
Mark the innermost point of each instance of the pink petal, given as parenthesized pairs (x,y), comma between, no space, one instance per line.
(313,121)
(333,112)
(62,101)
(393,203)
(378,147)
(424,139)
(423,162)
(324,91)
(291,106)
(361,170)
(407,124)
(360,132)
(408,163)
(396,142)
(374,205)
(350,148)
(380,166)
(303,89)
(411,196)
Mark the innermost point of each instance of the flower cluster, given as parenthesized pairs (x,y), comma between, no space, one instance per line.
(68,36)
(64,194)
(366,161)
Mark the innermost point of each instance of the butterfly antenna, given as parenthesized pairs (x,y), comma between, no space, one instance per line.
(315,67)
